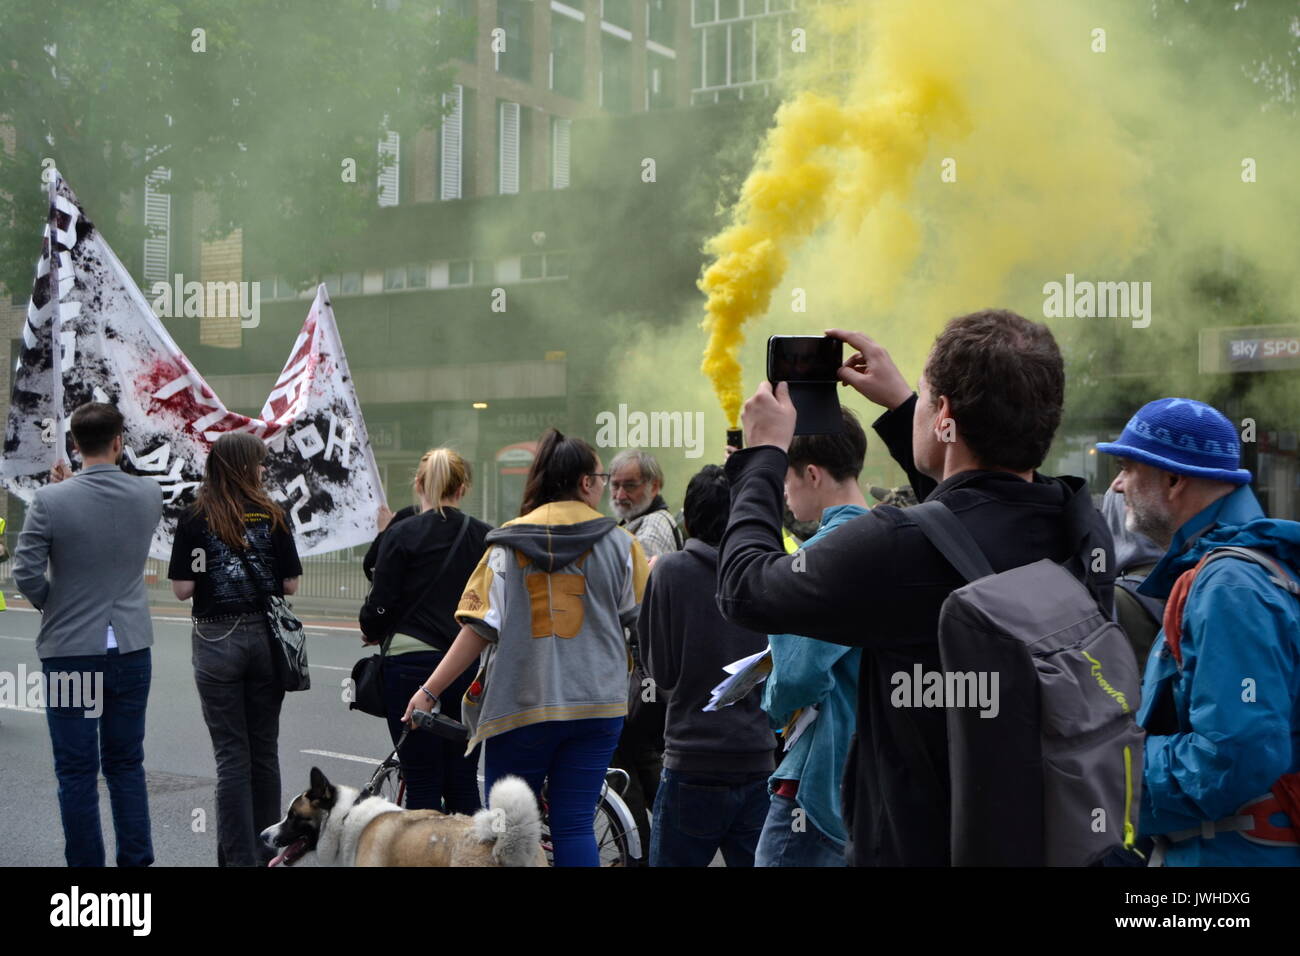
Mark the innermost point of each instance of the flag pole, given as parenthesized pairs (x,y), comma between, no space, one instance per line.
(56,326)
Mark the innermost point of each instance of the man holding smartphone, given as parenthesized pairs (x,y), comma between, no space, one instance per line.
(979,424)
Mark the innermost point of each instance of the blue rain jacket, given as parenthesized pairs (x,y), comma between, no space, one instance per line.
(807,672)
(1236,699)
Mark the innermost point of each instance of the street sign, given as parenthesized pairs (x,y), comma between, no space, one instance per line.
(1258,348)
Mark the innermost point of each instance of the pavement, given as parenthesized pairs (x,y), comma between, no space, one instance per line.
(316,729)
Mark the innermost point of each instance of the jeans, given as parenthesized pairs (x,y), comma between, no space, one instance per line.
(696,815)
(784,844)
(572,756)
(438,775)
(241,697)
(100,722)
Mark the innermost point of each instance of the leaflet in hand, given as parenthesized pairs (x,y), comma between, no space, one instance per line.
(743,676)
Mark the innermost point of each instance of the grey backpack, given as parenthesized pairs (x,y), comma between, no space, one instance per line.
(1052,775)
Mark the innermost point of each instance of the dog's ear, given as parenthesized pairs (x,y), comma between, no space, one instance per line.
(322,791)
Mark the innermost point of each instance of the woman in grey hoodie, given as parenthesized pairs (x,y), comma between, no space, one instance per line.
(547,607)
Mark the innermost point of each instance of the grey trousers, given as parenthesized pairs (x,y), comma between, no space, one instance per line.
(241,698)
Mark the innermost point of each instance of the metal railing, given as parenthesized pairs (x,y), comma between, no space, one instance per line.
(336,577)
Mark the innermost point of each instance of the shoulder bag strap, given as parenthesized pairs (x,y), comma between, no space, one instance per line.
(252,576)
(950,537)
(455,544)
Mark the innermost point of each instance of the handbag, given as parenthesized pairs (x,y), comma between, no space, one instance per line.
(288,640)
(368,673)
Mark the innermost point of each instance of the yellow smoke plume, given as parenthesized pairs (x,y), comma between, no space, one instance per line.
(823,158)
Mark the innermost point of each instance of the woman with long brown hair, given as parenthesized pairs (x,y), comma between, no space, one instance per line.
(234,528)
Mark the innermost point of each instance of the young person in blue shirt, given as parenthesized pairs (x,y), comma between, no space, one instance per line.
(804,825)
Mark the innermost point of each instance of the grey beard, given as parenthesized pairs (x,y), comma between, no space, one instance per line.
(1154,526)
(632,511)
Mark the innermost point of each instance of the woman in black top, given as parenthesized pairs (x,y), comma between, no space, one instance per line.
(238,685)
(414,603)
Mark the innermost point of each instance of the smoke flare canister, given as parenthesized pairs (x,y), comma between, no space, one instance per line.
(735,438)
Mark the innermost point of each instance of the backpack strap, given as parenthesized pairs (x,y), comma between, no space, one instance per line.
(950,537)
(1277,574)
(1173,622)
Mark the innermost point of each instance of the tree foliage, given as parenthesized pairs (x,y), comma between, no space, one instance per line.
(254,107)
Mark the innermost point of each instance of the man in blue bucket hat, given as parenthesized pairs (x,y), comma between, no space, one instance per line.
(1221,694)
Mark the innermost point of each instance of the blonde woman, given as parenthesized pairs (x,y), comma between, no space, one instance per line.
(418,580)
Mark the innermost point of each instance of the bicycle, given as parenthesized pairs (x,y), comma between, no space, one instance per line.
(618,841)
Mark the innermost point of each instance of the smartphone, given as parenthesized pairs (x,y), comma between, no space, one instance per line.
(803,358)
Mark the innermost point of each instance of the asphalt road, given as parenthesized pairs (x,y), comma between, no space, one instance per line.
(316,728)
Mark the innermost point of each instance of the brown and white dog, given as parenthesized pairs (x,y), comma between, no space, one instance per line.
(329,823)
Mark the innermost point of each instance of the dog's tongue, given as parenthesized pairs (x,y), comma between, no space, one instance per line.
(290,853)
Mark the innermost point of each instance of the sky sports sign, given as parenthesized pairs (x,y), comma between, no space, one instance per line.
(1251,349)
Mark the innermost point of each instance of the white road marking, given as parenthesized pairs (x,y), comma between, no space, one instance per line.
(21,709)
(6,637)
(339,756)
(329,667)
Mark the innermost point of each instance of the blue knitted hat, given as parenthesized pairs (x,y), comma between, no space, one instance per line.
(1182,436)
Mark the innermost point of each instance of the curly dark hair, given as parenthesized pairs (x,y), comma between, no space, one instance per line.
(1005,381)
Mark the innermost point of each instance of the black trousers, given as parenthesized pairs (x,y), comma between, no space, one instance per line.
(640,751)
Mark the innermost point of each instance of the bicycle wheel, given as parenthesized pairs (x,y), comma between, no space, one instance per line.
(611,837)
(391,785)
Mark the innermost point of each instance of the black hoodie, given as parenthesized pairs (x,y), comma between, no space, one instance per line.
(687,643)
(877,583)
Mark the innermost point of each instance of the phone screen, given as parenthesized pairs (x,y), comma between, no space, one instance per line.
(803,358)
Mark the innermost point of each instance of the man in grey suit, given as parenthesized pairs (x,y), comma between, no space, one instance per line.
(92,530)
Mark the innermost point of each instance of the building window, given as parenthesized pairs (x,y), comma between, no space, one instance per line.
(516,18)
(704,11)
(508,147)
(158,220)
(715,56)
(617,12)
(417,277)
(484,273)
(452,155)
(461,28)
(458,272)
(767,44)
(567,56)
(560,131)
(659,21)
(394,279)
(557,265)
(615,74)
(390,155)
(331,284)
(532,266)
(660,81)
(742,52)
(350,283)
(728,9)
